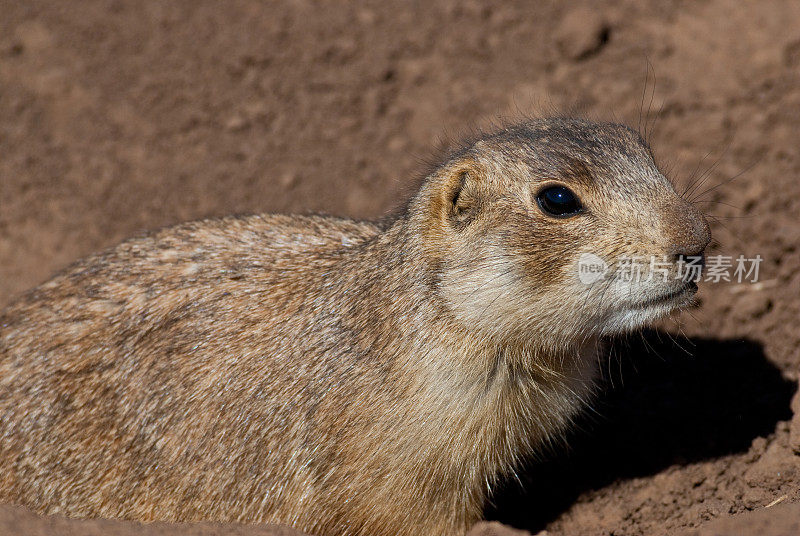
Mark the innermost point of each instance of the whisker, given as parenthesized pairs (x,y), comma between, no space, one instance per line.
(728,181)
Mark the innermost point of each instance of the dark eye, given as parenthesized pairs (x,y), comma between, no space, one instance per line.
(559,202)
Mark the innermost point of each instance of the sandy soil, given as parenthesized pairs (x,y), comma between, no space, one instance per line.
(120,116)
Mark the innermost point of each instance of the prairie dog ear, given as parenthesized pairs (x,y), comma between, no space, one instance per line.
(461,194)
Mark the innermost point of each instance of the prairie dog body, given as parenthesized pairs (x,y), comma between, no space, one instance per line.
(341,377)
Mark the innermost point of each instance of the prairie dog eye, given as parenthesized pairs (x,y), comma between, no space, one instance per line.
(558,202)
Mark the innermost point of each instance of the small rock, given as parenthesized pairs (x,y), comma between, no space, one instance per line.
(794,429)
(581,33)
(33,36)
(289,179)
(752,305)
(397,144)
(236,122)
(753,497)
(495,529)
(366,17)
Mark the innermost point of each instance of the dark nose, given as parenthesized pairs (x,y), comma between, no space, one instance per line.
(691,233)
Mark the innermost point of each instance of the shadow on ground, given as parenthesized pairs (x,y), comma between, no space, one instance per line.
(661,406)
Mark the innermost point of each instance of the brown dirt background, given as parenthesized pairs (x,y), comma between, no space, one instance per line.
(121,116)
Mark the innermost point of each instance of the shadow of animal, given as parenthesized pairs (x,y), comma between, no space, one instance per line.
(664,402)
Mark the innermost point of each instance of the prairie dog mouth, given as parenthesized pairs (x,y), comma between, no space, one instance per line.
(676,297)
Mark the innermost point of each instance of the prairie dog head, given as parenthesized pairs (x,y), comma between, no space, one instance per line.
(512,221)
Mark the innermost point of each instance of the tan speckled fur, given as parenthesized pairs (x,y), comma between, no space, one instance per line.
(346,378)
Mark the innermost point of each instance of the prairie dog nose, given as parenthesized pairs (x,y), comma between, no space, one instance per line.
(690,233)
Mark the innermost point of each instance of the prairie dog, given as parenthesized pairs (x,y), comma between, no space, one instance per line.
(341,377)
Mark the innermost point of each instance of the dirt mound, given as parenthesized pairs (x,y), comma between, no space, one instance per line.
(124,116)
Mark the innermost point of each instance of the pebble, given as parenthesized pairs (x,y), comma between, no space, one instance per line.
(581,33)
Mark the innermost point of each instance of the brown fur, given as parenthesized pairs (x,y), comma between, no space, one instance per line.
(341,377)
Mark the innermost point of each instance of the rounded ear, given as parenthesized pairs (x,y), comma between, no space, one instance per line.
(461,194)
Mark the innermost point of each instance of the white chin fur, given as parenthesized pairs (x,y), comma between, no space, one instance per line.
(633,319)
(624,314)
